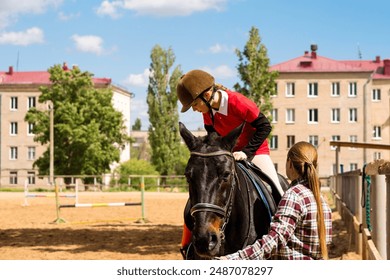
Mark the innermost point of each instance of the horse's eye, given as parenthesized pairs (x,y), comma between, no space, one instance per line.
(188,176)
(225,176)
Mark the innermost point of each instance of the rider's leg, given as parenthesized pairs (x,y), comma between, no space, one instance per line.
(264,162)
(186,237)
(185,241)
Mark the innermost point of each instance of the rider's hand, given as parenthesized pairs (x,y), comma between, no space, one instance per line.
(239,156)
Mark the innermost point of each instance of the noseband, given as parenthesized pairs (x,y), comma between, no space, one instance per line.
(224,212)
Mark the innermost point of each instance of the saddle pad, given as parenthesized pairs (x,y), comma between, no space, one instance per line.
(261,188)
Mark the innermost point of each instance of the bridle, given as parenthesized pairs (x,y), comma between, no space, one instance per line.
(224,212)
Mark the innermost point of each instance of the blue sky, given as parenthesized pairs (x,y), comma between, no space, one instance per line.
(114,38)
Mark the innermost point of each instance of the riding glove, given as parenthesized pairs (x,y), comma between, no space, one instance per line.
(239,156)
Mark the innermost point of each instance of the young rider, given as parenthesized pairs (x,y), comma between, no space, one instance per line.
(223,110)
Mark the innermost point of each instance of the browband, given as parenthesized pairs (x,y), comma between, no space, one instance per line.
(216,153)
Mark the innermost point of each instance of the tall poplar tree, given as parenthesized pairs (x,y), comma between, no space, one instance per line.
(137,124)
(258,83)
(162,100)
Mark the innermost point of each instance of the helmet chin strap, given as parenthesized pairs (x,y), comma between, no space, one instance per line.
(207,102)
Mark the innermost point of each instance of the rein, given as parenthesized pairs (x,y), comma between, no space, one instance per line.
(224,212)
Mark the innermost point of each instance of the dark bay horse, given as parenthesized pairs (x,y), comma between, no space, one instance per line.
(226,212)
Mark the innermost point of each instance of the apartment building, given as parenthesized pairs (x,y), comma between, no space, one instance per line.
(19,91)
(320,99)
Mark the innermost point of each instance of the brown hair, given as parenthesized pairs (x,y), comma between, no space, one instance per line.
(219,87)
(303,156)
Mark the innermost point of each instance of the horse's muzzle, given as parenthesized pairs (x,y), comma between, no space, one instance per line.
(207,243)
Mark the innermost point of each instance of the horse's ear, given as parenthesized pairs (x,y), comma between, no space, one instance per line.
(230,140)
(187,136)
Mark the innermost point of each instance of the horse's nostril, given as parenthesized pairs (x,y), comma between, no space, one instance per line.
(213,241)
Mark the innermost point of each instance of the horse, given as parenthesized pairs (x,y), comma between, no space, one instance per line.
(225,211)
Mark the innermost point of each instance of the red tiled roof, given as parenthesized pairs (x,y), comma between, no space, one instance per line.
(37,77)
(311,62)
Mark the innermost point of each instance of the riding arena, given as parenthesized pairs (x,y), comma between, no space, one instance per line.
(95,224)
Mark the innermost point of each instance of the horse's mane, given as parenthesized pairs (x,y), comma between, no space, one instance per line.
(211,140)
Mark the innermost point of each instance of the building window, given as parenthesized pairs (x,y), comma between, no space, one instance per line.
(274,142)
(334,168)
(13,153)
(275,93)
(31,102)
(312,90)
(31,153)
(353,139)
(31,177)
(353,115)
(335,138)
(30,129)
(335,118)
(290,116)
(290,89)
(376,95)
(377,155)
(353,166)
(313,139)
(13,177)
(13,128)
(290,141)
(335,90)
(313,116)
(14,103)
(352,89)
(377,134)
(274,115)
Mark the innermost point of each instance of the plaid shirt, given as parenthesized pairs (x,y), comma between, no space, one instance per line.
(293,231)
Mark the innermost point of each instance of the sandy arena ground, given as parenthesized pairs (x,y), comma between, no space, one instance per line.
(106,233)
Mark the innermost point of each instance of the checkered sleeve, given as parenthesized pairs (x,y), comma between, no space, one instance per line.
(282,227)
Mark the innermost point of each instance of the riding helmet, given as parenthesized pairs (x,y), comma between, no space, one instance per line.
(191,86)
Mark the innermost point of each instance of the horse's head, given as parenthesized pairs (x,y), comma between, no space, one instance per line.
(212,181)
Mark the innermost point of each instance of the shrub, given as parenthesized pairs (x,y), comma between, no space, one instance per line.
(136,167)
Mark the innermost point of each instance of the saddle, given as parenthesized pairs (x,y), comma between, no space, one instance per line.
(264,185)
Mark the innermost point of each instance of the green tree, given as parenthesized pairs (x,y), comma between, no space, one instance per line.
(253,68)
(183,159)
(164,135)
(137,124)
(88,131)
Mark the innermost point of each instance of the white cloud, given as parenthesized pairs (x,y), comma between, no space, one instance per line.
(11,9)
(218,48)
(160,7)
(110,9)
(89,43)
(138,80)
(222,72)
(66,17)
(30,36)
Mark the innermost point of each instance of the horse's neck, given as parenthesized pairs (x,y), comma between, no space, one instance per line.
(242,211)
